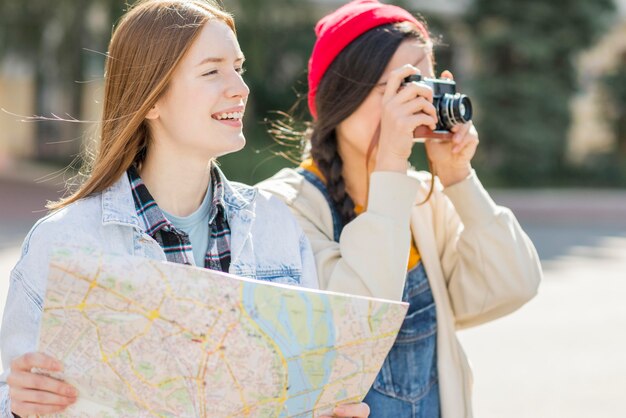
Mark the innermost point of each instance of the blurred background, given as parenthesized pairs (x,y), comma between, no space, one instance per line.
(548,79)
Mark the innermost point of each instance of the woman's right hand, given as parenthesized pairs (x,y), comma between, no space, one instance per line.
(404,108)
(34,394)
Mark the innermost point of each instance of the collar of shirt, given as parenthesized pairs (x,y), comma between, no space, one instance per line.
(176,244)
(151,215)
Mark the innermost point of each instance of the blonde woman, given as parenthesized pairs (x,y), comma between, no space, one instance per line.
(174,101)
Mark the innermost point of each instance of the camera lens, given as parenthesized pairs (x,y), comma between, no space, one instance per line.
(455,109)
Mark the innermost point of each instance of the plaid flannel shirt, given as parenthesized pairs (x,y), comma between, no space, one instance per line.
(175,243)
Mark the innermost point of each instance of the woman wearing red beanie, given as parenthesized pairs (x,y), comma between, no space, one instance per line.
(381,229)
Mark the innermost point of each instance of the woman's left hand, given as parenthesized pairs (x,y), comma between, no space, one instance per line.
(451,160)
(356,410)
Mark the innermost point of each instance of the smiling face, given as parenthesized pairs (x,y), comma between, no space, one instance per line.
(356,131)
(200,114)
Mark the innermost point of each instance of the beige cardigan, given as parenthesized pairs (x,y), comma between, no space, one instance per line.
(480,264)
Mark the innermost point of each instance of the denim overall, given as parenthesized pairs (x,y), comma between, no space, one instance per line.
(407,385)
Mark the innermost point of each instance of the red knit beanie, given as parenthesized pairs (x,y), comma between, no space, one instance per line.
(336,30)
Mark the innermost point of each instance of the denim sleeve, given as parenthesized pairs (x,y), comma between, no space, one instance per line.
(19,332)
(309,271)
(5,402)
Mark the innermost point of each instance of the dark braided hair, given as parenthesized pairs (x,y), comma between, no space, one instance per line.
(345,85)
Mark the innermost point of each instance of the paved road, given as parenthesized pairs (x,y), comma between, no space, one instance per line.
(560,356)
(563,354)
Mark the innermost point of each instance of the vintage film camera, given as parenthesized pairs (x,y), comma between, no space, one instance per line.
(452,108)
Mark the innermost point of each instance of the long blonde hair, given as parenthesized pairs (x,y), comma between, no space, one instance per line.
(146,46)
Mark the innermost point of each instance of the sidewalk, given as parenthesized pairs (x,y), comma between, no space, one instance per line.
(565,205)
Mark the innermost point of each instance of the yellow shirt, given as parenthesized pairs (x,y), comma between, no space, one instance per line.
(414,255)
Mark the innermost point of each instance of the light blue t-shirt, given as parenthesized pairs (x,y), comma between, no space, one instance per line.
(196,226)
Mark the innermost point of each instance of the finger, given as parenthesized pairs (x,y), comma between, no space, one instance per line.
(422,119)
(459,144)
(395,80)
(461,132)
(39,360)
(412,90)
(352,410)
(40,397)
(447,74)
(29,380)
(417,105)
(469,141)
(24,409)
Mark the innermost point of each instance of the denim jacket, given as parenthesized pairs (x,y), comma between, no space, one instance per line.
(266,243)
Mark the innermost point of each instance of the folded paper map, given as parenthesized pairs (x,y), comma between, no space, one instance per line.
(145,338)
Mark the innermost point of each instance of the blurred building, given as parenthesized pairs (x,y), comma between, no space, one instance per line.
(21,99)
(591,132)
(17,96)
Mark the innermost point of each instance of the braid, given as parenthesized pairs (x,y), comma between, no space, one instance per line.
(325,154)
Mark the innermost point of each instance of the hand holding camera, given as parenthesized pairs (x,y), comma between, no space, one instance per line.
(405,107)
(453,108)
(429,111)
(451,157)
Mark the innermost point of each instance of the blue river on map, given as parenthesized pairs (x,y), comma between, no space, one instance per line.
(301,395)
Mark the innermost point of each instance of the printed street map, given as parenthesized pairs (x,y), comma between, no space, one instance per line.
(144,338)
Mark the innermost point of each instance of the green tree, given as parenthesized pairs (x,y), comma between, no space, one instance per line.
(525,80)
